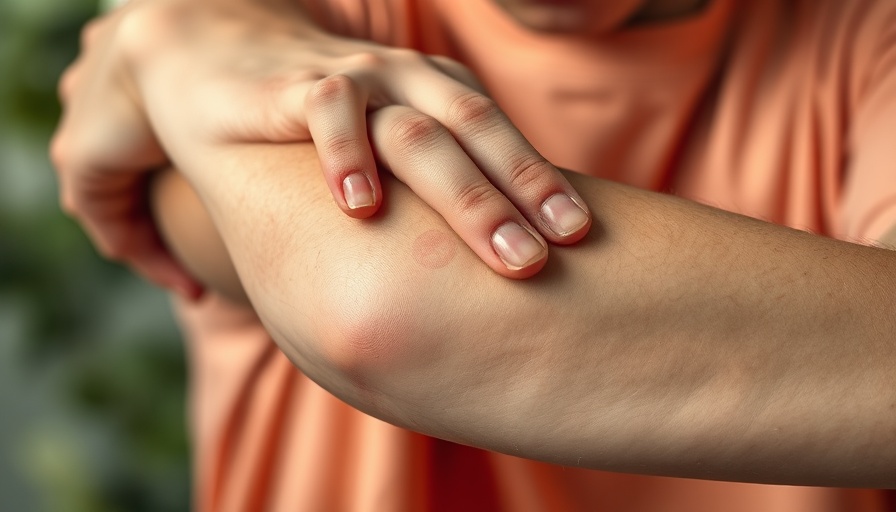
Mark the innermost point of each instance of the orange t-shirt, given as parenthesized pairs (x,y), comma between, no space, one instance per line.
(783,110)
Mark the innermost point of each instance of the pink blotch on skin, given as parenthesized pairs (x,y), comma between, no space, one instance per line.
(434,249)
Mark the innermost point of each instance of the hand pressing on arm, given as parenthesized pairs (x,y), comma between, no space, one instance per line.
(682,340)
(218,72)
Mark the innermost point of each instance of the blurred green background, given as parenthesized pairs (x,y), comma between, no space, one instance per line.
(92,371)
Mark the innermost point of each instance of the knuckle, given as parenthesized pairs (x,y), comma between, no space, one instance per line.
(280,83)
(59,153)
(70,150)
(66,86)
(528,171)
(91,32)
(475,195)
(330,89)
(279,95)
(143,28)
(414,131)
(406,55)
(135,34)
(367,60)
(471,109)
(341,145)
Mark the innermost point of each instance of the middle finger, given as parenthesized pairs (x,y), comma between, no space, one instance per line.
(422,153)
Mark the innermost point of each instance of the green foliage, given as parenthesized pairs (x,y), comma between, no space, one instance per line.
(92,372)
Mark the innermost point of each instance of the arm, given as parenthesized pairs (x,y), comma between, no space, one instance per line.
(238,71)
(677,339)
(190,235)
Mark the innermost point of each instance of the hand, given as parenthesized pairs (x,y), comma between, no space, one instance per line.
(211,75)
(102,150)
(435,129)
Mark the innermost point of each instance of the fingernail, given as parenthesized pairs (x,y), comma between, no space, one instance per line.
(516,246)
(358,191)
(563,215)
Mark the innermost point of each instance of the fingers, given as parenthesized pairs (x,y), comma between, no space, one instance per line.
(99,150)
(114,214)
(121,226)
(501,152)
(423,154)
(336,111)
(68,82)
(145,253)
(330,110)
(136,243)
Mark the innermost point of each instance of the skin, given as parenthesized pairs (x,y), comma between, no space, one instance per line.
(434,249)
(771,367)
(764,356)
(305,84)
(290,81)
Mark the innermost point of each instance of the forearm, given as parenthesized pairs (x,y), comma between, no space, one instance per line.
(678,339)
(191,236)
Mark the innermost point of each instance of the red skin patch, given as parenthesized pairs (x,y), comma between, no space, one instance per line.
(434,249)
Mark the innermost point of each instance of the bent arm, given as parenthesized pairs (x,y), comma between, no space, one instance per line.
(678,339)
(191,235)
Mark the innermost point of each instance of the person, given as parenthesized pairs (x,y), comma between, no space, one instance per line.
(672,338)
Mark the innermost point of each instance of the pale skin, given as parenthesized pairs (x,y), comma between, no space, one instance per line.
(675,339)
(290,82)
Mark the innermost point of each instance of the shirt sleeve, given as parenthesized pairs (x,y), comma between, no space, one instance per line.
(869,193)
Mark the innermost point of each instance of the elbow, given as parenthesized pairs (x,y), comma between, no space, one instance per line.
(370,332)
(367,336)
